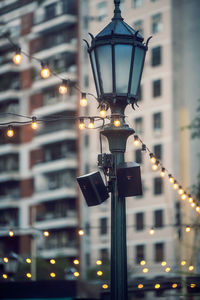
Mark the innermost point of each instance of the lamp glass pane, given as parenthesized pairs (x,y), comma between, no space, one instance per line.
(122,67)
(137,69)
(105,66)
(93,61)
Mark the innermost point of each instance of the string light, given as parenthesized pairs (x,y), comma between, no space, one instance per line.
(10,131)
(183,263)
(63,87)
(5,276)
(17,58)
(175,185)
(162,172)
(152,158)
(190,199)
(152,231)
(117,122)
(99,262)
(52,274)
(191,268)
(144,147)
(192,285)
(76,261)
(5,259)
(136,141)
(187,228)
(168,269)
(83,100)
(143,262)
(140,286)
(163,263)
(91,123)
(193,204)
(28,260)
(145,270)
(11,233)
(99,273)
(171,178)
(28,275)
(34,123)
(105,286)
(184,196)
(155,166)
(197,209)
(174,285)
(76,274)
(180,190)
(46,233)
(52,261)
(81,232)
(81,124)
(102,111)
(157,286)
(45,72)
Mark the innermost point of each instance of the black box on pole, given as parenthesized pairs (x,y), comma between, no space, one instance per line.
(129,180)
(93,188)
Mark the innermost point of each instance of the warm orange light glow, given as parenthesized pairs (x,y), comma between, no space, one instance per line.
(180,190)
(174,285)
(105,286)
(52,261)
(81,124)
(10,131)
(46,233)
(136,141)
(145,270)
(81,232)
(91,123)
(152,158)
(63,87)
(183,263)
(99,262)
(99,273)
(52,274)
(117,122)
(102,112)
(28,260)
(163,263)
(162,172)
(143,262)
(152,231)
(191,268)
(5,259)
(83,100)
(76,274)
(28,275)
(175,185)
(157,286)
(187,228)
(11,233)
(171,179)
(76,262)
(45,72)
(140,286)
(5,276)
(168,269)
(17,58)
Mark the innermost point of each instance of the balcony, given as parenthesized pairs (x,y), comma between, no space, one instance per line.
(68,162)
(66,222)
(10,82)
(9,190)
(56,125)
(68,251)
(51,195)
(55,136)
(9,217)
(6,63)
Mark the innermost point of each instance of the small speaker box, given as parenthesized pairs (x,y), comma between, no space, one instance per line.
(93,188)
(129,180)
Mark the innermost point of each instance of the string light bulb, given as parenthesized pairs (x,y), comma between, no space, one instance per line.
(168,269)
(34,123)
(5,276)
(63,87)
(76,274)
(187,228)
(76,262)
(191,268)
(28,260)
(117,122)
(105,286)
(99,262)
(11,233)
(10,131)
(145,270)
(91,123)
(81,124)
(174,285)
(52,261)
(136,141)
(183,263)
(81,232)
(45,72)
(157,286)
(17,58)
(180,190)
(46,233)
(83,100)
(193,204)
(155,166)
(99,273)
(5,259)
(152,231)
(143,262)
(162,172)
(190,199)
(171,178)
(28,275)
(163,263)
(140,286)
(198,209)
(184,196)
(175,185)
(52,275)
(102,111)
(152,158)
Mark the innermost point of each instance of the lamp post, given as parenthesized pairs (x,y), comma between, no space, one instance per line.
(117,57)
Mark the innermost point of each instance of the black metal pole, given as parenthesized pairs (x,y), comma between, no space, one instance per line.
(117,138)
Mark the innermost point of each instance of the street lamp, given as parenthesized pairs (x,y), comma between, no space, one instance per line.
(11,266)
(117,57)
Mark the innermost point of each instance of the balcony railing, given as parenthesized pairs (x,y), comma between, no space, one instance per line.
(56,126)
(53,215)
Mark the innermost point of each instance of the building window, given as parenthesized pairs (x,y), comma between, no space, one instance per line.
(102,10)
(137,3)
(157,25)
(156,88)
(139,253)
(138,156)
(158,151)
(158,186)
(158,218)
(138,26)
(157,121)
(159,252)
(103,226)
(88,259)
(139,125)
(50,11)
(139,221)
(156,56)
(104,254)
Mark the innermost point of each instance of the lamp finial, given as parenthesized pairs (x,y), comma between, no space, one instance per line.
(117,11)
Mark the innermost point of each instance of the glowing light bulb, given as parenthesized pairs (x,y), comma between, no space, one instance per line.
(174,285)
(171,178)
(5,276)
(175,185)
(180,190)
(28,275)
(91,123)
(198,209)
(168,269)
(152,158)
(10,131)
(45,72)
(190,199)
(157,286)
(83,100)
(162,172)
(187,228)
(76,274)
(191,268)
(117,122)
(140,286)
(52,274)
(143,262)
(99,262)
(46,233)
(193,204)
(63,87)
(192,285)
(183,263)
(105,286)
(102,112)
(5,259)
(151,231)
(136,141)
(99,273)
(81,232)
(34,123)
(81,124)
(52,261)
(163,263)
(76,261)
(11,233)
(155,166)
(145,270)
(17,58)
(28,260)
(184,196)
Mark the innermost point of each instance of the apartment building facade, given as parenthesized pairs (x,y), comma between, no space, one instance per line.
(154,221)
(39,168)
